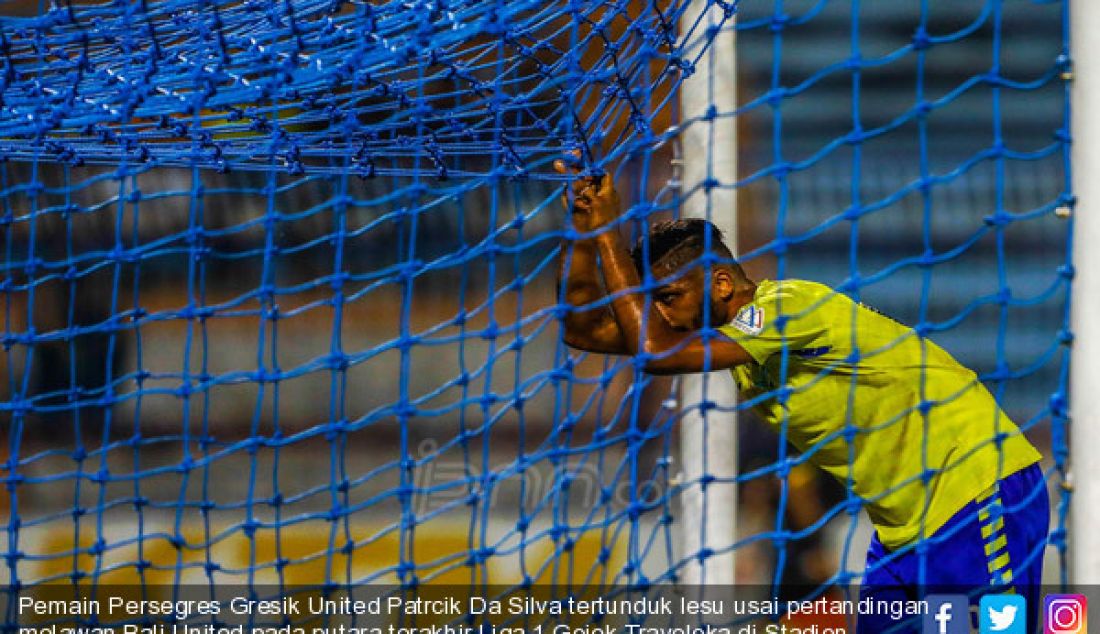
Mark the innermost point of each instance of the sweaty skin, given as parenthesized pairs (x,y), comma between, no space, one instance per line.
(668,332)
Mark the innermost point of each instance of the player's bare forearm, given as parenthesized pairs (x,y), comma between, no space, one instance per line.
(623,283)
(587,327)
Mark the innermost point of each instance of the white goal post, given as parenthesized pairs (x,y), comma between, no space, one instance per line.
(708,439)
(1085,366)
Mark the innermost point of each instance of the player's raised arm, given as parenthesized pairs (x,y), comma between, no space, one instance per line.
(644,329)
(587,327)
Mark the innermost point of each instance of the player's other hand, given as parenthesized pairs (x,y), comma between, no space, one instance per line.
(595,202)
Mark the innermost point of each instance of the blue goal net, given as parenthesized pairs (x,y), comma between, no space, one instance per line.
(278,278)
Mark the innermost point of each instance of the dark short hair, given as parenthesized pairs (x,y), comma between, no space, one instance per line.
(676,243)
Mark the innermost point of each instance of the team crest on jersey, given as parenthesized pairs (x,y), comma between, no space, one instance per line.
(749,320)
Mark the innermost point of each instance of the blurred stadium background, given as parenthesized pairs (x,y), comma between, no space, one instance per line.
(210,502)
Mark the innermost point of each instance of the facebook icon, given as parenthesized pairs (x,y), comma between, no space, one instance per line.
(947,614)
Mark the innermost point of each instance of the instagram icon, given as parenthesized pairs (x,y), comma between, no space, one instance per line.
(1065,614)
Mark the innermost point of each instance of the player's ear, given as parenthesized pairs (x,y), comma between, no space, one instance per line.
(722,286)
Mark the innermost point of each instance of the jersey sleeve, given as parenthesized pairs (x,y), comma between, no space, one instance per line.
(777,317)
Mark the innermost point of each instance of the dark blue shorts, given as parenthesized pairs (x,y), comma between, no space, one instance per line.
(993,544)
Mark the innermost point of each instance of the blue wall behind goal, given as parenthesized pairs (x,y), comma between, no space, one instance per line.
(958,137)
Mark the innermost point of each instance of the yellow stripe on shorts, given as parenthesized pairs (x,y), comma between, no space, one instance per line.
(988,530)
(994,539)
(997,545)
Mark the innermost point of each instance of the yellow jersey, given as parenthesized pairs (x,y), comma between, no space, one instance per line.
(869,400)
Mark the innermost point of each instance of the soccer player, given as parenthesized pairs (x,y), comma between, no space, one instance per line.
(952,487)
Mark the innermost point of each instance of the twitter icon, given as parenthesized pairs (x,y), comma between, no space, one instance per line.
(1003,614)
